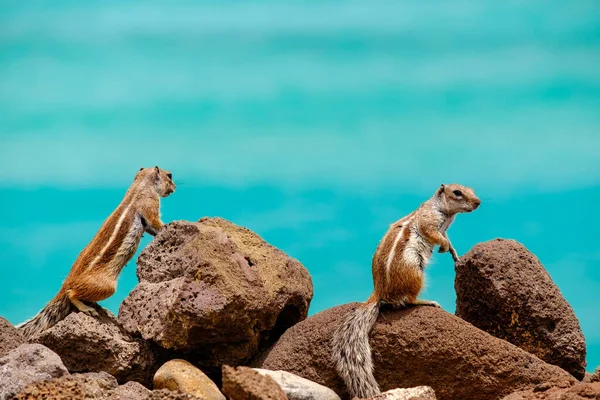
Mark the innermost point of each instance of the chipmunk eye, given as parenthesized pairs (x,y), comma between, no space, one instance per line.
(170,176)
(457,193)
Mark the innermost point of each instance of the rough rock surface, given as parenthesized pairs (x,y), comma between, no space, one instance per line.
(413,347)
(596,376)
(72,387)
(181,376)
(215,293)
(298,388)
(243,383)
(581,391)
(27,364)
(131,391)
(10,337)
(96,386)
(503,289)
(88,344)
(419,392)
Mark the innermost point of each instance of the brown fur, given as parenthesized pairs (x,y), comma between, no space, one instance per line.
(93,276)
(398,277)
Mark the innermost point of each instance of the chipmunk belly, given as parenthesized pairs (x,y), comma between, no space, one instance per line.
(128,247)
(417,251)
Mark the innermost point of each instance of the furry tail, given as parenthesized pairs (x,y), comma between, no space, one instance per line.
(54,312)
(351,351)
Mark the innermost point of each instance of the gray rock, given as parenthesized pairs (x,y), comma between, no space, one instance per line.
(27,364)
(420,392)
(298,388)
(131,391)
(504,290)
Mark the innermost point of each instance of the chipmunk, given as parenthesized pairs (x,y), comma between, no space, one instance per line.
(93,277)
(398,275)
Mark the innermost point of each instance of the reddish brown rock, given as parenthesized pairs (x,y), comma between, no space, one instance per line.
(244,383)
(596,376)
(214,293)
(10,337)
(503,289)
(95,386)
(72,387)
(414,347)
(580,391)
(88,344)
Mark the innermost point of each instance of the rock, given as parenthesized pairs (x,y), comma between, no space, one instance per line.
(10,337)
(503,289)
(419,392)
(243,383)
(580,391)
(596,376)
(27,364)
(413,347)
(72,387)
(180,375)
(214,293)
(165,394)
(131,391)
(99,344)
(298,388)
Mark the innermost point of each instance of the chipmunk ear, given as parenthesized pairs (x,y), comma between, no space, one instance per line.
(156,169)
(141,168)
(441,189)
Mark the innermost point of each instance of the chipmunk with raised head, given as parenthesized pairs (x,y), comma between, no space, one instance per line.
(398,276)
(93,276)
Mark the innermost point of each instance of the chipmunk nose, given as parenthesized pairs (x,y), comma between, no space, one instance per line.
(476,204)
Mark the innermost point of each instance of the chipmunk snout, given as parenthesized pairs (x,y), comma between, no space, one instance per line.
(476,204)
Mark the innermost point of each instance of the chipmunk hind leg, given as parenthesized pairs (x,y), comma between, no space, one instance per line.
(90,288)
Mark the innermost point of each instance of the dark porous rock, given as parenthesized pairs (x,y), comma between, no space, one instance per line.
(94,344)
(27,364)
(418,346)
(503,289)
(10,337)
(580,391)
(243,383)
(73,387)
(214,293)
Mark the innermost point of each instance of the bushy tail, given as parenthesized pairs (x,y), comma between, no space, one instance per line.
(54,312)
(351,351)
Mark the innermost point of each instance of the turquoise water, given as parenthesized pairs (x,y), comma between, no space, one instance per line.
(316,124)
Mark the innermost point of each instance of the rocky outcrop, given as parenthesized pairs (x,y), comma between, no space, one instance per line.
(419,392)
(27,364)
(244,383)
(580,391)
(298,388)
(596,376)
(214,293)
(10,337)
(414,347)
(503,289)
(181,376)
(93,344)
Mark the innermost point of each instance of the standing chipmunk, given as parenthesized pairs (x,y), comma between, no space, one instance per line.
(398,275)
(93,277)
